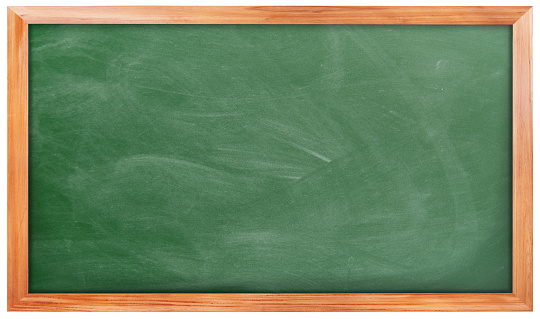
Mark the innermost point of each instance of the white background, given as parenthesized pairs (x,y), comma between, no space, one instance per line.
(3,150)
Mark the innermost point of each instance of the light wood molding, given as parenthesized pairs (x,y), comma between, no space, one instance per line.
(270,15)
(20,300)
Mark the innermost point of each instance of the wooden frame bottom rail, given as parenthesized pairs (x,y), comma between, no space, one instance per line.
(271,302)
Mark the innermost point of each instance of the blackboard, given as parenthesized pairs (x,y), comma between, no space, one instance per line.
(270,158)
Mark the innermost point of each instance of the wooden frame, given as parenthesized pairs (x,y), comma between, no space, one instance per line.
(17,290)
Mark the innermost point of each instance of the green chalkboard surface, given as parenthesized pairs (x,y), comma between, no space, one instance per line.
(270,158)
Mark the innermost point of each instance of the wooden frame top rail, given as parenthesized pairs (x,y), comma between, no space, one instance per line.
(20,300)
(270,15)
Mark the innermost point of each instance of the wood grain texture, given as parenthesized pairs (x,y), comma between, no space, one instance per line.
(271,15)
(17,158)
(523,174)
(271,302)
(20,300)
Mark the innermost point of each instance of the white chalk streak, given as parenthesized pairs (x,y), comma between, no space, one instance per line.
(307,150)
